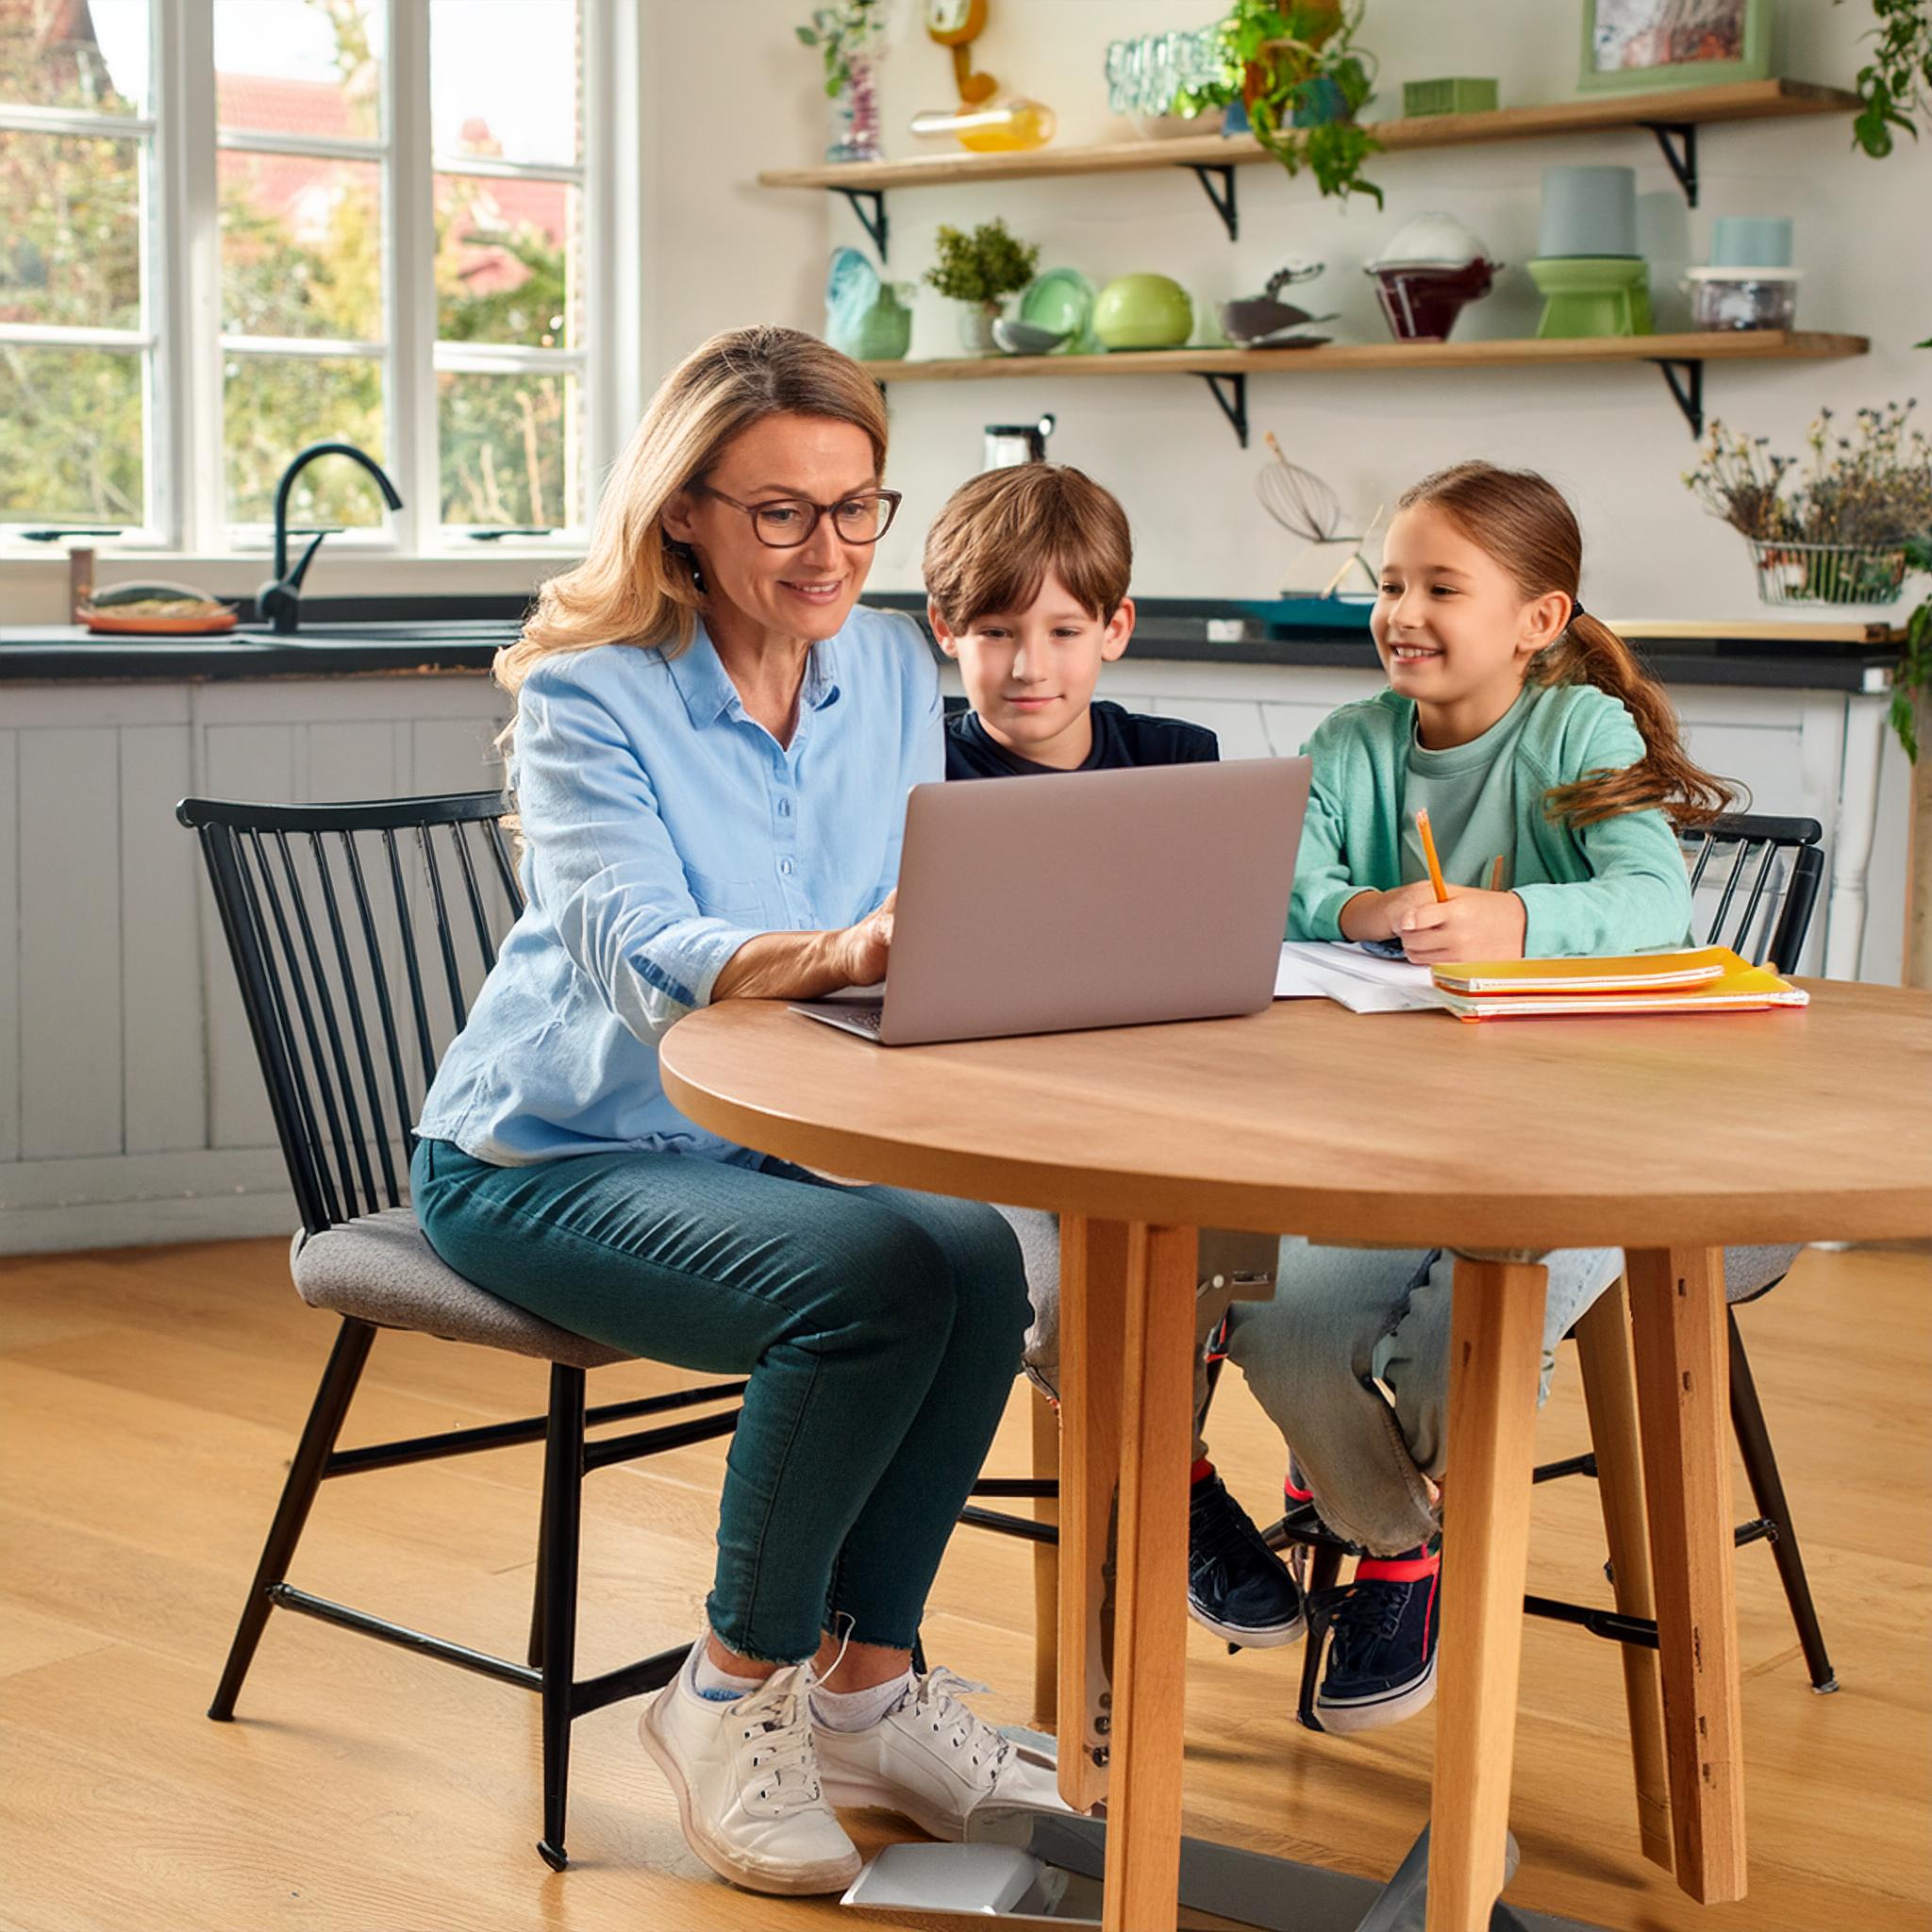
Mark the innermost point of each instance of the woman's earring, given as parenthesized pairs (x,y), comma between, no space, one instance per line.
(688,557)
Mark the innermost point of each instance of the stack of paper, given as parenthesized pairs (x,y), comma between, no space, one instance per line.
(1712,979)
(1362,982)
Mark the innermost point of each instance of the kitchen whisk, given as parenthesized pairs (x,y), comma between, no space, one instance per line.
(1302,503)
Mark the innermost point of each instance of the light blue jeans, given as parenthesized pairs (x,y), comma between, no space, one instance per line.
(1343,1320)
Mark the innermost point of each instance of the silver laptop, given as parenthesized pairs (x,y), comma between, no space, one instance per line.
(1097,899)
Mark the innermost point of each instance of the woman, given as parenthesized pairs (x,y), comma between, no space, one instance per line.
(711,752)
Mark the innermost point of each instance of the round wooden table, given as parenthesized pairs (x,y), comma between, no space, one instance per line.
(1667,1137)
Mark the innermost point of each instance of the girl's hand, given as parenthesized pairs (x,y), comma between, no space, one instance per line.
(1469,924)
(860,950)
(1372,915)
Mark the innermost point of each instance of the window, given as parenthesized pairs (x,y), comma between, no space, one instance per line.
(352,219)
(77,304)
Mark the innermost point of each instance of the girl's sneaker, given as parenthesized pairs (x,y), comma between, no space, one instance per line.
(1382,1642)
(745,1773)
(932,1760)
(1238,1586)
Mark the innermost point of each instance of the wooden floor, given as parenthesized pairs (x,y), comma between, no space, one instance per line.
(149,1402)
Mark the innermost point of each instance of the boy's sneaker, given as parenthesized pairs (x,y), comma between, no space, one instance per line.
(1238,1586)
(932,1760)
(1382,1642)
(746,1776)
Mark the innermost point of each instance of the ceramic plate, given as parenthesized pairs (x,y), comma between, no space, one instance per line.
(1061,299)
(109,623)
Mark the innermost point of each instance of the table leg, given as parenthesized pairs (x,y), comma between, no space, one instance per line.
(1609,1392)
(1046,1569)
(1495,1352)
(1093,1272)
(1144,1807)
(1683,1397)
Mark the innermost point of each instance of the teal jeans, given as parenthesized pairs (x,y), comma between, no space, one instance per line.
(879,1329)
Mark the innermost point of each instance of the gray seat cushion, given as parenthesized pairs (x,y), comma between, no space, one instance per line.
(378,1268)
(1748,1271)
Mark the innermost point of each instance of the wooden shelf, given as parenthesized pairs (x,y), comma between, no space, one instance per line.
(1681,356)
(1674,108)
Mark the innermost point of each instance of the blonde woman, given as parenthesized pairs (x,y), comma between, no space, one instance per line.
(711,751)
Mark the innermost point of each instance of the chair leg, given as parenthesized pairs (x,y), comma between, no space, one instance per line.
(325,1423)
(1768,1489)
(1047,1570)
(556,1564)
(1609,1394)
(1325,1570)
(533,1655)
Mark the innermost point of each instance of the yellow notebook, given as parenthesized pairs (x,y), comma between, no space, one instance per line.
(1659,983)
(1628,972)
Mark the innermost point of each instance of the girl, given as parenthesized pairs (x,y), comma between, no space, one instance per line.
(1531,734)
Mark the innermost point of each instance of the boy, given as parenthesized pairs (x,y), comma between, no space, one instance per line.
(1027,572)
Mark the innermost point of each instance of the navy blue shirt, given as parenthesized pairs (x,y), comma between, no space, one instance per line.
(1121,738)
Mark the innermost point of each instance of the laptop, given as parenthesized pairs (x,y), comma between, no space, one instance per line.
(1046,904)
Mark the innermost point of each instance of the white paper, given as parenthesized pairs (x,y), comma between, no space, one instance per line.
(1313,969)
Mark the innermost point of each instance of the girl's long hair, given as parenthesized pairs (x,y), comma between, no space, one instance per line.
(635,585)
(1520,519)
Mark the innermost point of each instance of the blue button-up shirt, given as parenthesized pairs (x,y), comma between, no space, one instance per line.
(663,828)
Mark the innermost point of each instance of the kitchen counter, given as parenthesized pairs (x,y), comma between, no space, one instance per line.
(345,638)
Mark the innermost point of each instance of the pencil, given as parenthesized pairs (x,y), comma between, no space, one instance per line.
(1430,858)
(1496,874)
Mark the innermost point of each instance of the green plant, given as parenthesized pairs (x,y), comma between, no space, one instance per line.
(1895,85)
(1296,60)
(1913,672)
(852,27)
(982,266)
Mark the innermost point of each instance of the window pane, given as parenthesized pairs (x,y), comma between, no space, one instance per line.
(503,79)
(71,436)
(273,404)
(507,262)
(509,448)
(70,230)
(301,247)
(296,67)
(94,58)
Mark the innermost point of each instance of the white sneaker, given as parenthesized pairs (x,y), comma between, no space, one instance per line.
(932,1760)
(746,1777)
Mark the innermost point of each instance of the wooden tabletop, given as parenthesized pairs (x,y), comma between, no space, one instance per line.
(1409,1128)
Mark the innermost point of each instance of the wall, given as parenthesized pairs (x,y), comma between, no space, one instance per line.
(1610,437)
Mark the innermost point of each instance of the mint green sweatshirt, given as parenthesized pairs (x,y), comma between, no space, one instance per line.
(1618,886)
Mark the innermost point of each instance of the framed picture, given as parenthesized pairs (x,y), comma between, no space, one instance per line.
(1636,46)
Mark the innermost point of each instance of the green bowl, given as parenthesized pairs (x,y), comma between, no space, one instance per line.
(1144,312)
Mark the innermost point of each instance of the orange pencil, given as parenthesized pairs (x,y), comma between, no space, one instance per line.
(1496,874)
(1430,858)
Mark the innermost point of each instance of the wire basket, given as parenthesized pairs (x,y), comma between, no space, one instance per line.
(1829,572)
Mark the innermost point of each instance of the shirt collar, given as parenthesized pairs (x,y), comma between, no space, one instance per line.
(708,694)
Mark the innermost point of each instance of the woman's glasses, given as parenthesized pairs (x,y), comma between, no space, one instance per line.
(786,521)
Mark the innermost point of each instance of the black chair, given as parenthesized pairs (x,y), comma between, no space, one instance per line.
(356,948)
(1766,874)
(358,932)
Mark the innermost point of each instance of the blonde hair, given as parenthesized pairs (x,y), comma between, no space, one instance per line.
(636,585)
(991,548)
(1522,521)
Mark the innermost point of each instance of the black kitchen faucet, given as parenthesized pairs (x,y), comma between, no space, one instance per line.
(279,600)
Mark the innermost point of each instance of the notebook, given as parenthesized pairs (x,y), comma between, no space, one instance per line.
(1661,983)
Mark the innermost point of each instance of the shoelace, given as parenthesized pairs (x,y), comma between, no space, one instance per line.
(774,1723)
(1366,1613)
(932,1699)
(1215,1533)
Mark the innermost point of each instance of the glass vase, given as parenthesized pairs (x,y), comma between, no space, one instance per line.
(856,113)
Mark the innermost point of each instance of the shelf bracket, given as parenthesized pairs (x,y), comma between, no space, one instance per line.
(1678,140)
(873,219)
(1223,197)
(1684,378)
(1232,400)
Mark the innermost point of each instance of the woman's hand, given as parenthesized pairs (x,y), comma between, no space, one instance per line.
(808,965)
(1469,924)
(859,950)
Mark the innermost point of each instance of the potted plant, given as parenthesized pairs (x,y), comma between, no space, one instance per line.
(1294,69)
(851,38)
(1895,85)
(977,271)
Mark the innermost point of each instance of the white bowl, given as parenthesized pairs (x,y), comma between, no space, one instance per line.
(1432,241)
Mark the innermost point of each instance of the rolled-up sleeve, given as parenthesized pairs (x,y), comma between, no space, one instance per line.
(603,867)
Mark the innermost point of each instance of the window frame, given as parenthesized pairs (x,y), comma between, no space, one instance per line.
(181,337)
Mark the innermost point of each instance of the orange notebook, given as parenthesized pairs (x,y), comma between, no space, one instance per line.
(1712,979)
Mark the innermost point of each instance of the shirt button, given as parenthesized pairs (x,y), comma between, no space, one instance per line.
(785,866)
(784,808)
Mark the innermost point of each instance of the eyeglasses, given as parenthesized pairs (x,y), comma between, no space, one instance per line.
(786,522)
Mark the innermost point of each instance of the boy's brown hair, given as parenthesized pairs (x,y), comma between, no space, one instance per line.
(991,548)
